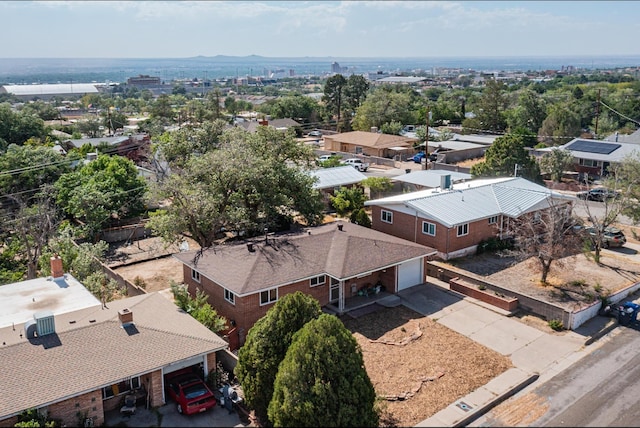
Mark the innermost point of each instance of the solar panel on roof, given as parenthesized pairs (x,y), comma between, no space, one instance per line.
(593,147)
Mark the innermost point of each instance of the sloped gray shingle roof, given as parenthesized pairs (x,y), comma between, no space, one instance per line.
(86,356)
(299,255)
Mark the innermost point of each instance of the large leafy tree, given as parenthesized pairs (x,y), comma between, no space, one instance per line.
(251,181)
(322,380)
(507,156)
(355,92)
(528,114)
(386,104)
(267,344)
(18,127)
(556,162)
(334,97)
(101,189)
(296,107)
(561,125)
(24,169)
(492,106)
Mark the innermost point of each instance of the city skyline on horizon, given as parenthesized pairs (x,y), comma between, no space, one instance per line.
(317,29)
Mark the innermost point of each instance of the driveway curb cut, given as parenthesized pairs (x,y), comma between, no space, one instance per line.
(499,399)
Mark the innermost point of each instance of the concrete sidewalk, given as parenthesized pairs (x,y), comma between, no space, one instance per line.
(537,356)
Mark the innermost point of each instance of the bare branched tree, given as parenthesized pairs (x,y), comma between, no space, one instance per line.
(548,235)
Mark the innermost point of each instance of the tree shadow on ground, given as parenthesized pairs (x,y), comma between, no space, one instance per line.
(377,324)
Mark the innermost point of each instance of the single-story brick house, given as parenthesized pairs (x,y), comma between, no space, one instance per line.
(332,263)
(72,358)
(455,218)
(368,143)
(594,158)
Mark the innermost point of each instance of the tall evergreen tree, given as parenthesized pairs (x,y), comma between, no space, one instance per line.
(267,344)
(322,380)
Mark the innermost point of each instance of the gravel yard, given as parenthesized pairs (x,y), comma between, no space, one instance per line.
(419,365)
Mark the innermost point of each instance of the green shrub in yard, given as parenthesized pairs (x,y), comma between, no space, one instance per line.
(556,325)
(493,244)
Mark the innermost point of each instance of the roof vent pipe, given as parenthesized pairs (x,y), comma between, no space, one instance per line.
(250,247)
(340,227)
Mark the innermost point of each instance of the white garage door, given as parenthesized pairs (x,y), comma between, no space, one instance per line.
(410,274)
(182,364)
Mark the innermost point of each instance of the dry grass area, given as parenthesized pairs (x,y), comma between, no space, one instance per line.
(419,365)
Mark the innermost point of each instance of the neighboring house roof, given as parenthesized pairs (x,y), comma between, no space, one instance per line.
(633,138)
(18,301)
(88,355)
(453,145)
(337,176)
(600,150)
(51,89)
(474,200)
(476,138)
(431,178)
(295,256)
(401,79)
(372,139)
(112,141)
(252,125)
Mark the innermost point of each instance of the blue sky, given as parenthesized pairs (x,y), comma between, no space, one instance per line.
(178,29)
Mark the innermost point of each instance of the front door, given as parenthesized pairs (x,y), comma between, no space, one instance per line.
(334,290)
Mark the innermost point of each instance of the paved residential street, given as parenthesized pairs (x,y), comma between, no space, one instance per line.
(601,389)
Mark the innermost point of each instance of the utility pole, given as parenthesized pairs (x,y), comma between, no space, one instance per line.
(426,142)
(597,112)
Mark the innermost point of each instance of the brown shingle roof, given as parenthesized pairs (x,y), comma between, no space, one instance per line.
(86,356)
(292,257)
(372,139)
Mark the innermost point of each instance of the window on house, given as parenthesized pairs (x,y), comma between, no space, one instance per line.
(318,280)
(268,296)
(589,162)
(121,387)
(493,220)
(229,296)
(463,229)
(428,228)
(387,216)
(195,275)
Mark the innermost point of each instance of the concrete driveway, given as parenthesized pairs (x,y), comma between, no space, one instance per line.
(168,416)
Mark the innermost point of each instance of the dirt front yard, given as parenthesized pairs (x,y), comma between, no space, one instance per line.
(418,366)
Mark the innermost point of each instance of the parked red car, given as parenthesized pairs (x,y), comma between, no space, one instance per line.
(190,393)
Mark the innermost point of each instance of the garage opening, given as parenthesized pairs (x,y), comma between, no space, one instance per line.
(410,274)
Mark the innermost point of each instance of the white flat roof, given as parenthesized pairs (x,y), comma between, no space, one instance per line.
(20,300)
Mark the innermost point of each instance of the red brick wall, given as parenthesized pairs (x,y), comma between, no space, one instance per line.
(446,240)
(247,310)
(67,411)
(211,362)
(9,422)
(152,383)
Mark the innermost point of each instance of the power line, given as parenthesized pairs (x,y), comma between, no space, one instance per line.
(620,114)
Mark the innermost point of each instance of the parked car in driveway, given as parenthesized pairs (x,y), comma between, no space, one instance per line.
(611,236)
(599,194)
(357,164)
(315,133)
(189,392)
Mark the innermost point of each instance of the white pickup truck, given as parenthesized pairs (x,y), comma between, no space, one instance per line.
(357,164)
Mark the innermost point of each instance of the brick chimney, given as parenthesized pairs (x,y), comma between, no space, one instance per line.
(57,271)
(125,316)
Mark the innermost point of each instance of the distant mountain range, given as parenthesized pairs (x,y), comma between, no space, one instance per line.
(54,70)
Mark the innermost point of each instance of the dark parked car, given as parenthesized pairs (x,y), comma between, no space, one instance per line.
(417,158)
(190,392)
(598,194)
(611,236)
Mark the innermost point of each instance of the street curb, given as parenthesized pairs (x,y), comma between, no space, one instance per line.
(600,334)
(499,399)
